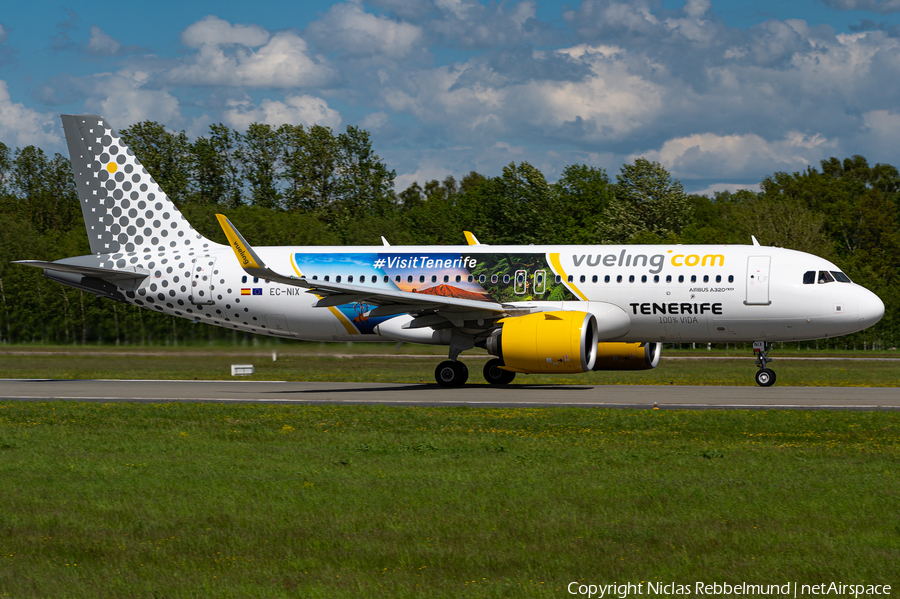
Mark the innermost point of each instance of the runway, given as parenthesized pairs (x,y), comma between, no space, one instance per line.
(610,396)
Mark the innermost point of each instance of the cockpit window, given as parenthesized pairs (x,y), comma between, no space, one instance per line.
(825,277)
(841,277)
(809,277)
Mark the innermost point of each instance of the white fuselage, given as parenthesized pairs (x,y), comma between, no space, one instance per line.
(678,293)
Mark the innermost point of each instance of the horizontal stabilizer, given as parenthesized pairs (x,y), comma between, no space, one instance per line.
(108,274)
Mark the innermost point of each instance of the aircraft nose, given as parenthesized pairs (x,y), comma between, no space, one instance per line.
(871,308)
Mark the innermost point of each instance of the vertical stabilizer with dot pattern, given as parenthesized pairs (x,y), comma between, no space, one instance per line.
(125,210)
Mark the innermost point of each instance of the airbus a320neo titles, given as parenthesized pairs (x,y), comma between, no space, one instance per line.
(535,308)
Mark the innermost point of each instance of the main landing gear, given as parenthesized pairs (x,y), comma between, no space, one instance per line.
(764,376)
(451,373)
(496,375)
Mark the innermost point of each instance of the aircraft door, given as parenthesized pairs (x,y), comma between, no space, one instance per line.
(540,282)
(521,283)
(202,280)
(758,281)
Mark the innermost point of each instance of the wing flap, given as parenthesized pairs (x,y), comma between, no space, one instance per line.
(107,274)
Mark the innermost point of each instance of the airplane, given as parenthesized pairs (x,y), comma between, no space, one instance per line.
(535,309)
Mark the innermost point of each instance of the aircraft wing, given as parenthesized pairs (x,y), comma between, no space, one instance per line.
(388,301)
(109,274)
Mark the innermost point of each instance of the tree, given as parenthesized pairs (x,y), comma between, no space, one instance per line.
(583,192)
(648,202)
(261,155)
(216,170)
(165,155)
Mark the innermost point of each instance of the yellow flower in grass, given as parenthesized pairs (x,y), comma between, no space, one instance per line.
(287,429)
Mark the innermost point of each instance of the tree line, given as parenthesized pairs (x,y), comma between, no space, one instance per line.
(296,185)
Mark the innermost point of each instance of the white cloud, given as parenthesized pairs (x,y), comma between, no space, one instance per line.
(698,155)
(4,33)
(348,28)
(283,61)
(102,44)
(22,126)
(884,7)
(213,31)
(124,99)
(295,110)
(710,190)
(374,121)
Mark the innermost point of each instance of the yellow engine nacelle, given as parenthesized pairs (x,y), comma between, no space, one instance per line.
(563,342)
(627,356)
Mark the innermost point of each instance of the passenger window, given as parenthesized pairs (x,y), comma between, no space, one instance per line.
(558,279)
(434,278)
(668,278)
(656,278)
(470,278)
(350,279)
(631,278)
(315,277)
(681,278)
(327,278)
(458,278)
(256,279)
(408,279)
(506,278)
(396,279)
(594,279)
(718,278)
(337,279)
(446,278)
(706,278)
(494,279)
(643,278)
(606,279)
(244,279)
(809,277)
(731,278)
(421,278)
(693,278)
(581,279)
(481,278)
(571,278)
(619,279)
(825,277)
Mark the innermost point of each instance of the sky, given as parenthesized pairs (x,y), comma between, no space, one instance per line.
(721,93)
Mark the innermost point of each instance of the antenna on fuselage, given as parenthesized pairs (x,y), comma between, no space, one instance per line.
(753,237)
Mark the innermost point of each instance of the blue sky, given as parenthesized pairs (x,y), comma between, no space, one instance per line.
(721,93)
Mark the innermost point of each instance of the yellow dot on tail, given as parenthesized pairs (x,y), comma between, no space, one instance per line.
(112,167)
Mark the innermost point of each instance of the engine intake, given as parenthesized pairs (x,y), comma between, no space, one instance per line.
(564,342)
(627,356)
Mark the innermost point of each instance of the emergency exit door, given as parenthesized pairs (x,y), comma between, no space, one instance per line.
(758,281)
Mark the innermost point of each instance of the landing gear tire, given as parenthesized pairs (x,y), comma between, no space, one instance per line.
(765,377)
(496,375)
(451,373)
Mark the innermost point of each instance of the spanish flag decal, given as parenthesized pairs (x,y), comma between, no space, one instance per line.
(245,292)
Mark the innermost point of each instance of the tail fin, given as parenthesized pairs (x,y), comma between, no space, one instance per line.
(125,211)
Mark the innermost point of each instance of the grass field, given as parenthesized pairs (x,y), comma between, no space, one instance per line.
(375,362)
(200,500)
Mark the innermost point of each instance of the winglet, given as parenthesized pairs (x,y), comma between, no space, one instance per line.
(385,241)
(753,237)
(245,254)
(470,239)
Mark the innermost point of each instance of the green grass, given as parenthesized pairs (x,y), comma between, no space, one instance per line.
(359,363)
(200,500)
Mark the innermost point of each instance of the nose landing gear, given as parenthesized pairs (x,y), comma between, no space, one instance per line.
(765,377)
